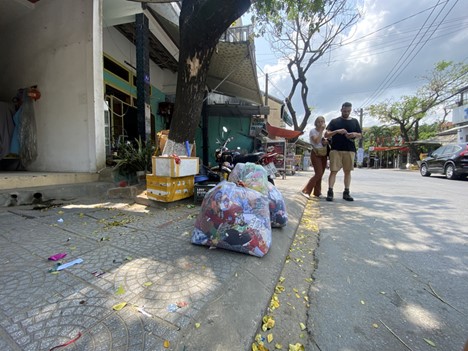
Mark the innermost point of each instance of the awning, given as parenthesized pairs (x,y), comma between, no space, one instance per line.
(438,140)
(453,130)
(301,144)
(282,133)
(233,71)
(235,110)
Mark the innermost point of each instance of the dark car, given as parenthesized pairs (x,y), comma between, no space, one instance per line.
(450,160)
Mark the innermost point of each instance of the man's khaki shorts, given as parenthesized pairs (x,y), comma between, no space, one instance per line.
(341,159)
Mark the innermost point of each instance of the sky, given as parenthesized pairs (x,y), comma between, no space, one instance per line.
(392,46)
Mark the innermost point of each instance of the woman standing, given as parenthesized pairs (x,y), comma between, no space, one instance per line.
(318,156)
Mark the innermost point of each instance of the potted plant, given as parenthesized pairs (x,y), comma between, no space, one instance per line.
(133,160)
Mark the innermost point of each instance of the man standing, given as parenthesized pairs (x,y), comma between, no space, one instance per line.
(343,131)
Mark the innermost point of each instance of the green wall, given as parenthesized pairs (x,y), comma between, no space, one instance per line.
(238,129)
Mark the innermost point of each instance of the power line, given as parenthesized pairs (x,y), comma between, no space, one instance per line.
(270,82)
(452,24)
(422,46)
(392,24)
(402,60)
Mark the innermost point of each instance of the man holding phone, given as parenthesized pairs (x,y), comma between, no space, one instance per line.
(342,131)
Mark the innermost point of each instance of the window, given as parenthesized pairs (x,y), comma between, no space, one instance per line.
(114,68)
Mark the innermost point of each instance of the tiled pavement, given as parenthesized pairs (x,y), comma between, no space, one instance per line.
(146,259)
(38,307)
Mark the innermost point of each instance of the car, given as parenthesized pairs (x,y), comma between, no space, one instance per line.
(450,160)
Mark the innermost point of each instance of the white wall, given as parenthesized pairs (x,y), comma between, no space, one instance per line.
(274,118)
(58,47)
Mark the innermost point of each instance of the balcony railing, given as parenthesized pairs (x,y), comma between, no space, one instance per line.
(237,34)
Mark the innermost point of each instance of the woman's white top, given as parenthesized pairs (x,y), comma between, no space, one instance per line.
(314,132)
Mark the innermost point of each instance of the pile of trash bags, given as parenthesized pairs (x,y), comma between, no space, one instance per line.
(238,214)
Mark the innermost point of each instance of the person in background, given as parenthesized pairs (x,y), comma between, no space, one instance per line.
(343,131)
(319,162)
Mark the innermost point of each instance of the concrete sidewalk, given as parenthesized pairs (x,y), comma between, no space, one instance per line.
(187,295)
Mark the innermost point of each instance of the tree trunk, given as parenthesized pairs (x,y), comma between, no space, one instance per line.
(201,24)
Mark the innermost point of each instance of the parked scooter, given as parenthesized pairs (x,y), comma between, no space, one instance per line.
(227,159)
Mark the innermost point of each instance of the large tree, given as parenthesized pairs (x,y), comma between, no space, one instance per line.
(302,34)
(442,86)
(201,23)
(405,113)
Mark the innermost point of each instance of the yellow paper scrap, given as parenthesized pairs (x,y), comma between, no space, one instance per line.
(279,289)
(119,306)
(147,284)
(120,290)
(278,346)
(430,342)
(166,344)
(268,323)
(302,325)
(274,303)
(197,325)
(270,337)
(296,347)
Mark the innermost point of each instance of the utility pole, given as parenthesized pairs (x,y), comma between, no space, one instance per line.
(361,112)
(360,151)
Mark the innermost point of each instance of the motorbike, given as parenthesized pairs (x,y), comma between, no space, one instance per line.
(227,159)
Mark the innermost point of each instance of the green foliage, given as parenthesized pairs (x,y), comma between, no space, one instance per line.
(444,82)
(276,12)
(427,131)
(134,157)
(380,136)
(404,112)
(442,86)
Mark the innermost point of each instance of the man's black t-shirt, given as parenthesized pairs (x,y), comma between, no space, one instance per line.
(339,141)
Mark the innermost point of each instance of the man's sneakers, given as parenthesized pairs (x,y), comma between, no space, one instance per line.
(330,195)
(346,196)
(307,196)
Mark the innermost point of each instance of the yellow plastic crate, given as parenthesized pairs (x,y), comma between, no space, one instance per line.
(169,189)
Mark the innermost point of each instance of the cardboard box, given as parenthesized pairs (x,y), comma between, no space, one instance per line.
(168,167)
(169,189)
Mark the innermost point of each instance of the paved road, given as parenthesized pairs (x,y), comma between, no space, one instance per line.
(392,270)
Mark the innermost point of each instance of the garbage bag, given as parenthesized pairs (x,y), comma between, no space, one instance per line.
(234,218)
(278,213)
(253,176)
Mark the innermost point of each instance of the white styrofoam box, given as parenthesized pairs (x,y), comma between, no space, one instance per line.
(167,167)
